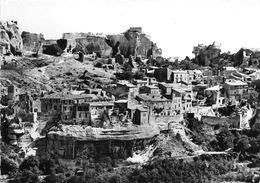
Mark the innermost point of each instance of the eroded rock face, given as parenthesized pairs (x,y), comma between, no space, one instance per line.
(71,148)
(10,38)
(119,142)
(31,41)
(134,42)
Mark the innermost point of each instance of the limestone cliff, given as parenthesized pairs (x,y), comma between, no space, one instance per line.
(119,142)
(133,42)
(31,41)
(10,38)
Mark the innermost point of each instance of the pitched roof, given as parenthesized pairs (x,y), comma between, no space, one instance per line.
(64,96)
(154,98)
(234,82)
(214,88)
(101,104)
(151,86)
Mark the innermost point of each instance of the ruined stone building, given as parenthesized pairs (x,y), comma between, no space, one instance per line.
(204,54)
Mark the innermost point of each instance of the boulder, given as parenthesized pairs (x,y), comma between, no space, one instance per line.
(62,43)
(10,39)
(119,59)
(31,41)
(52,49)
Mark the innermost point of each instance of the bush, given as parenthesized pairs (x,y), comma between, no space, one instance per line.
(26,176)
(31,163)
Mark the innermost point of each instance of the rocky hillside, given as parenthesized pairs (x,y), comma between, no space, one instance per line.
(10,38)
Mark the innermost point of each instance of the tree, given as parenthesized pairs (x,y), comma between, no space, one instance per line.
(242,144)
(4,100)
(26,176)
(8,164)
(47,166)
(54,178)
(139,75)
(30,163)
(225,139)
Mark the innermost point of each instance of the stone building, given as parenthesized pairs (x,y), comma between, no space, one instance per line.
(157,104)
(150,89)
(141,116)
(234,89)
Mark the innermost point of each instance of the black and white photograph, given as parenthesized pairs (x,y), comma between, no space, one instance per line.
(130,91)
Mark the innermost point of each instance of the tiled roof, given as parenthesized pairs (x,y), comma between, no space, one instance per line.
(63,96)
(235,82)
(150,97)
(214,88)
(101,104)
(141,109)
(151,86)
(54,96)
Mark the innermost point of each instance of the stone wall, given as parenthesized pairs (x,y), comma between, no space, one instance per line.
(232,122)
(166,119)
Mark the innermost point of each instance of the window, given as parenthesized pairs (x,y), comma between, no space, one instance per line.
(55,107)
(144,114)
(79,115)
(46,107)
(65,108)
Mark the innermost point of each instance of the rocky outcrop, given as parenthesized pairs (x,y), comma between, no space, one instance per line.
(51,47)
(12,130)
(31,41)
(90,44)
(119,142)
(87,43)
(134,42)
(10,38)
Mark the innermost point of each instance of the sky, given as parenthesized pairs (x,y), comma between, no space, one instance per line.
(175,25)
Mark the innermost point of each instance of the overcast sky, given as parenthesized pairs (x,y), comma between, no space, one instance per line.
(175,25)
